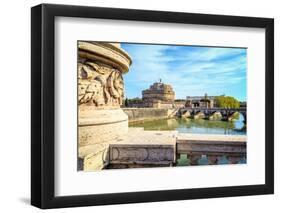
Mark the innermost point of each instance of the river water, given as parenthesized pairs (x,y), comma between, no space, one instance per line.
(199,126)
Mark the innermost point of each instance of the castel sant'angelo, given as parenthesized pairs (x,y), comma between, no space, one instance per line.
(158,94)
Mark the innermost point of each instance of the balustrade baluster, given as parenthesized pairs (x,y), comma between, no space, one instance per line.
(194,159)
(213,159)
(234,159)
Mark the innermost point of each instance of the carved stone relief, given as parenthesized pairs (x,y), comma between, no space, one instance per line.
(99,85)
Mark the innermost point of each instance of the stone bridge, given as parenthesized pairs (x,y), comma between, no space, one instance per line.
(225,113)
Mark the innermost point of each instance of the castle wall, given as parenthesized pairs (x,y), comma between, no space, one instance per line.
(139,114)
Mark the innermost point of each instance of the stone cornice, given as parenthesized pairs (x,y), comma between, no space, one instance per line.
(106,53)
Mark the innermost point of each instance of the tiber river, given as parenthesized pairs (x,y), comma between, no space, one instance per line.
(199,126)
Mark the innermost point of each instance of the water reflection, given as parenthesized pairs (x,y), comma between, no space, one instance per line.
(200,126)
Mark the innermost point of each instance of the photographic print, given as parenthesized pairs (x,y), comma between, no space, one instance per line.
(160,105)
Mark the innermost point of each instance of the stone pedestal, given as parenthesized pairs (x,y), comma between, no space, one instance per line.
(100,94)
(101,126)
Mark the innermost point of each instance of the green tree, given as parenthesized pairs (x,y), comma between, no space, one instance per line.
(126,102)
(227,102)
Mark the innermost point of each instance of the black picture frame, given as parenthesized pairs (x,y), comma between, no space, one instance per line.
(43,105)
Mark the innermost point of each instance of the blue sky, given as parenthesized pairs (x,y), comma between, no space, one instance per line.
(191,70)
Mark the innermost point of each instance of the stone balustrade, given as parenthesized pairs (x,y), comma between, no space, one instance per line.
(211,149)
(141,148)
(169,148)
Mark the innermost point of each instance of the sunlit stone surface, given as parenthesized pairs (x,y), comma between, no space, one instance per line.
(100,94)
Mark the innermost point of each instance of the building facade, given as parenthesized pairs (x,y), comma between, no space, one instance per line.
(200,101)
(159,91)
(158,95)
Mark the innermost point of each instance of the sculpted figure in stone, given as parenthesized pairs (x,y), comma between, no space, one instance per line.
(99,85)
(116,87)
(90,84)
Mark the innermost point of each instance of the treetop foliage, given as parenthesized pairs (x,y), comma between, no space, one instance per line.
(227,102)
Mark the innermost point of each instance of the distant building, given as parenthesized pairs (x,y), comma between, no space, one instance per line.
(159,92)
(159,95)
(200,101)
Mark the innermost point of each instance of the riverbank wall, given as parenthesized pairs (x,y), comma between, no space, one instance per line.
(141,114)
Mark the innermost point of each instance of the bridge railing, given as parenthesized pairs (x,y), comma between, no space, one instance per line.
(184,149)
(241,109)
(211,150)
